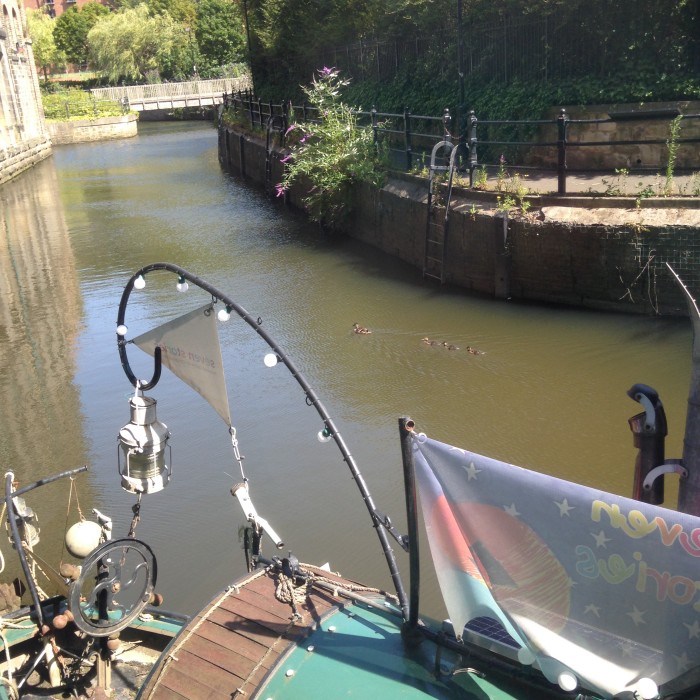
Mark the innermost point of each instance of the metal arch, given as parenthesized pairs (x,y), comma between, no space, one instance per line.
(311,398)
(105,565)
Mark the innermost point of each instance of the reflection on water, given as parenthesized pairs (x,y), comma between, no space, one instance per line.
(40,317)
(548,391)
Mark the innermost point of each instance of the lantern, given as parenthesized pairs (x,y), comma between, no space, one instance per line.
(142,445)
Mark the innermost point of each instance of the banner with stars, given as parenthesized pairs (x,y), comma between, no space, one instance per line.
(597,589)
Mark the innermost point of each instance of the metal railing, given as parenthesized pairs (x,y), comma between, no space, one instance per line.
(409,138)
(165,91)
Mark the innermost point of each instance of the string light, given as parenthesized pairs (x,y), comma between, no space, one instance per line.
(139,282)
(224,314)
(182,285)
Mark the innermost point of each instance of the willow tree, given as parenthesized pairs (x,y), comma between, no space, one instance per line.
(133,44)
(46,54)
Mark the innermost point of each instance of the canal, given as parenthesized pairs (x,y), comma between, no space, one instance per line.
(548,390)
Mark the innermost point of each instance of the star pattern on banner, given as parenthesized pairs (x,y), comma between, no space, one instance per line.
(471,470)
(592,610)
(564,507)
(637,616)
(601,539)
(511,510)
(693,630)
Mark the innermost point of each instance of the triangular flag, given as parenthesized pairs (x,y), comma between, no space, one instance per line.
(190,348)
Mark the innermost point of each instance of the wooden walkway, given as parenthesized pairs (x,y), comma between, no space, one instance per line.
(227,650)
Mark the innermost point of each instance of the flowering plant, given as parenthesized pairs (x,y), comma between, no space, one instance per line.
(331,153)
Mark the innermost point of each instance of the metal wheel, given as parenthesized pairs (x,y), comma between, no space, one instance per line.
(116,583)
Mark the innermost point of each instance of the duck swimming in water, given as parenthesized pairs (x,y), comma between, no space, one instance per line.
(474,351)
(427,341)
(449,346)
(361,330)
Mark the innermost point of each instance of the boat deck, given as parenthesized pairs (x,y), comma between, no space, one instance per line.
(229,648)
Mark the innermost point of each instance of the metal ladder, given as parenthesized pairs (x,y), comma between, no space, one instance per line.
(437,226)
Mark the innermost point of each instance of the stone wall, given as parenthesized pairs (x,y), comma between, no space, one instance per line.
(602,124)
(15,159)
(610,267)
(84,130)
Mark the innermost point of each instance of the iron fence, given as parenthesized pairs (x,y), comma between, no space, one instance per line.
(542,146)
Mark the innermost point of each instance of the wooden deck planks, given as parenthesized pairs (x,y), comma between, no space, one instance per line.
(233,643)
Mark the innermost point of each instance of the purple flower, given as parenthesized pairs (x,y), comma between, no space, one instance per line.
(291,128)
(286,159)
(304,138)
(280,189)
(327,71)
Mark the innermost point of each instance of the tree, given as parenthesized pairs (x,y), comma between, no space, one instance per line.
(133,44)
(46,53)
(72,28)
(220,32)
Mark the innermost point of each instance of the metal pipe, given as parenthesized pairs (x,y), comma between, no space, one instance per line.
(689,487)
(17,541)
(406,426)
(311,398)
(46,480)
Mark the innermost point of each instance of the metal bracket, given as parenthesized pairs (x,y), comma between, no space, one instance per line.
(385,521)
(670,466)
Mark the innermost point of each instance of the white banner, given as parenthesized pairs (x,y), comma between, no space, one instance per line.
(190,349)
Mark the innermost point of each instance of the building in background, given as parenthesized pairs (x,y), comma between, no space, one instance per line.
(24,138)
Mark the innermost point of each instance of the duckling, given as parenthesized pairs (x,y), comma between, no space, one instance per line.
(361,329)
(427,341)
(474,351)
(451,347)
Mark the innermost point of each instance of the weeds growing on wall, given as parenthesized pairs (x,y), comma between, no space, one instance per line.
(331,154)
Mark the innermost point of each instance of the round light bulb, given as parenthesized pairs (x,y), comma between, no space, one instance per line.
(567,681)
(647,689)
(270,359)
(223,315)
(139,282)
(182,285)
(324,435)
(122,330)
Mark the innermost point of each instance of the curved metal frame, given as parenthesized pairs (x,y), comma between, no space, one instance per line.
(311,398)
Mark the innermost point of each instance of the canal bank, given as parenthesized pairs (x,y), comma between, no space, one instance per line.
(606,253)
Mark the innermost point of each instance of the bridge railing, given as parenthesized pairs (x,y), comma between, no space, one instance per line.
(166,91)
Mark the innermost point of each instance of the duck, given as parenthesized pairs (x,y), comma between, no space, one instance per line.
(427,341)
(449,346)
(474,351)
(361,330)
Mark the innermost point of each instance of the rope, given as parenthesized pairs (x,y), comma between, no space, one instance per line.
(287,592)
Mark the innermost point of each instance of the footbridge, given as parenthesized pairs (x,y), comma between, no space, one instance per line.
(193,93)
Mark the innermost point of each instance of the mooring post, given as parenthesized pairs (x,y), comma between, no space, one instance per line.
(562,123)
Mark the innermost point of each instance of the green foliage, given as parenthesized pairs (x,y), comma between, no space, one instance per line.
(135,45)
(220,34)
(331,154)
(46,53)
(77,104)
(672,144)
(72,28)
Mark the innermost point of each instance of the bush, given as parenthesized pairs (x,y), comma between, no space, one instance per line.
(330,154)
(77,104)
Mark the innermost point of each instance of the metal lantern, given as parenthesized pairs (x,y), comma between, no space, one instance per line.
(142,445)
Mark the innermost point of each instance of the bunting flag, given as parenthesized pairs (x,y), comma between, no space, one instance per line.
(190,349)
(598,587)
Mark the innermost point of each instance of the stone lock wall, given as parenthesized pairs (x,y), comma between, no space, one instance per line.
(85,130)
(616,268)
